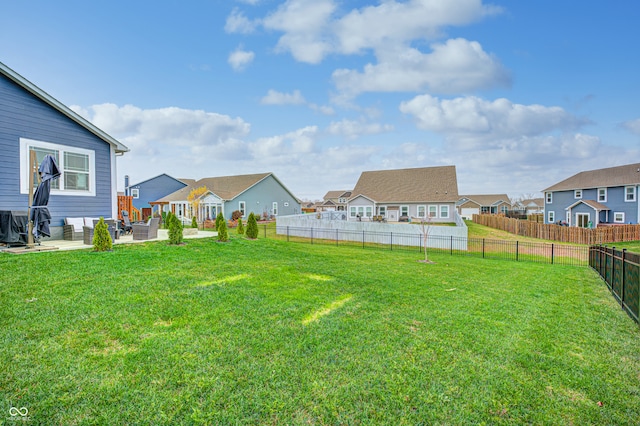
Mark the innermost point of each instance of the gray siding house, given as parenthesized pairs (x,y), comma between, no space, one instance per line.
(153,189)
(596,197)
(468,205)
(32,120)
(421,193)
(262,194)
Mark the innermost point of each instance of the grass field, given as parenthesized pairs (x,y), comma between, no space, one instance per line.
(265,332)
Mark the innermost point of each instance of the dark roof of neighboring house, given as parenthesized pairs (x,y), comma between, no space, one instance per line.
(336,194)
(539,202)
(487,199)
(612,176)
(60,107)
(225,187)
(425,184)
(156,177)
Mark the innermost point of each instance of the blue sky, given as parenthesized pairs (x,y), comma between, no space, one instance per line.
(518,95)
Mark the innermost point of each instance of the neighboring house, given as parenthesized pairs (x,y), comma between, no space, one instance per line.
(153,189)
(468,205)
(530,206)
(262,194)
(596,197)
(335,201)
(426,193)
(32,120)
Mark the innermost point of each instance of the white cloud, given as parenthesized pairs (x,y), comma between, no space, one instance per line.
(633,126)
(354,129)
(482,121)
(455,66)
(240,59)
(238,23)
(274,97)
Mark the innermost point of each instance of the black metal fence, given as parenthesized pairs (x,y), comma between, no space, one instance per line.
(561,254)
(621,271)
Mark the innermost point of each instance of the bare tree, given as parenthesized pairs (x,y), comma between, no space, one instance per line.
(425,227)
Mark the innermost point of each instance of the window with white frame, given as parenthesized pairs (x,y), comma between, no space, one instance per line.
(274,208)
(369,211)
(548,197)
(242,206)
(504,209)
(629,193)
(352,212)
(77,167)
(433,211)
(422,211)
(444,211)
(135,192)
(618,217)
(577,194)
(551,216)
(602,195)
(382,211)
(404,210)
(567,218)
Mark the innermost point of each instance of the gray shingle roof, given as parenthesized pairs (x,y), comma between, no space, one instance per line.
(487,199)
(612,176)
(225,187)
(425,184)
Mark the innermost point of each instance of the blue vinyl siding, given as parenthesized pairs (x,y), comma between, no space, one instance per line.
(615,202)
(23,115)
(260,198)
(155,188)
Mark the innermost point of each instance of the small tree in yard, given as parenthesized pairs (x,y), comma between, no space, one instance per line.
(425,227)
(175,230)
(194,222)
(240,229)
(223,234)
(219,220)
(101,238)
(252,227)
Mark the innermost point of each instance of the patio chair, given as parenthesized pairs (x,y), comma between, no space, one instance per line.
(126,225)
(146,231)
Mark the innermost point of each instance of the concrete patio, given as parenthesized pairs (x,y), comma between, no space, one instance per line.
(49,245)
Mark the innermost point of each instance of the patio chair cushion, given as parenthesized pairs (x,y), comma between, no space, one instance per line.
(76,222)
(88,221)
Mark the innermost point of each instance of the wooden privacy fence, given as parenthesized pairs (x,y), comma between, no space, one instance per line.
(567,234)
(620,270)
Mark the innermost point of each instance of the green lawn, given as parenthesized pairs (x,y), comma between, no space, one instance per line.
(265,332)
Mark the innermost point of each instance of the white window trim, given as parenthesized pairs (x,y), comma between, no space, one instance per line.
(242,207)
(352,211)
(382,211)
(548,197)
(551,216)
(604,200)
(568,217)
(24,167)
(135,193)
(274,208)
(634,194)
(426,212)
(440,215)
(407,208)
(614,217)
(429,211)
(577,194)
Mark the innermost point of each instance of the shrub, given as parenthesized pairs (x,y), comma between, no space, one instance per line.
(194,222)
(252,227)
(101,238)
(164,218)
(236,215)
(175,230)
(240,229)
(167,220)
(219,220)
(223,234)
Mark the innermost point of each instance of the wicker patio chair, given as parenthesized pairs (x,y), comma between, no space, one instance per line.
(146,231)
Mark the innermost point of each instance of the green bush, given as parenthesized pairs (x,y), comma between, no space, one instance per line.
(175,230)
(252,227)
(223,234)
(219,219)
(167,220)
(101,238)
(240,229)
(194,222)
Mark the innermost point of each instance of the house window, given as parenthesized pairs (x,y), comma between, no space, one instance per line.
(369,211)
(577,194)
(444,211)
(629,193)
(422,211)
(404,210)
(77,167)
(382,210)
(504,209)
(568,218)
(551,217)
(135,193)
(485,209)
(548,197)
(602,195)
(433,211)
(618,217)
(352,212)
(242,207)
(274,208)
